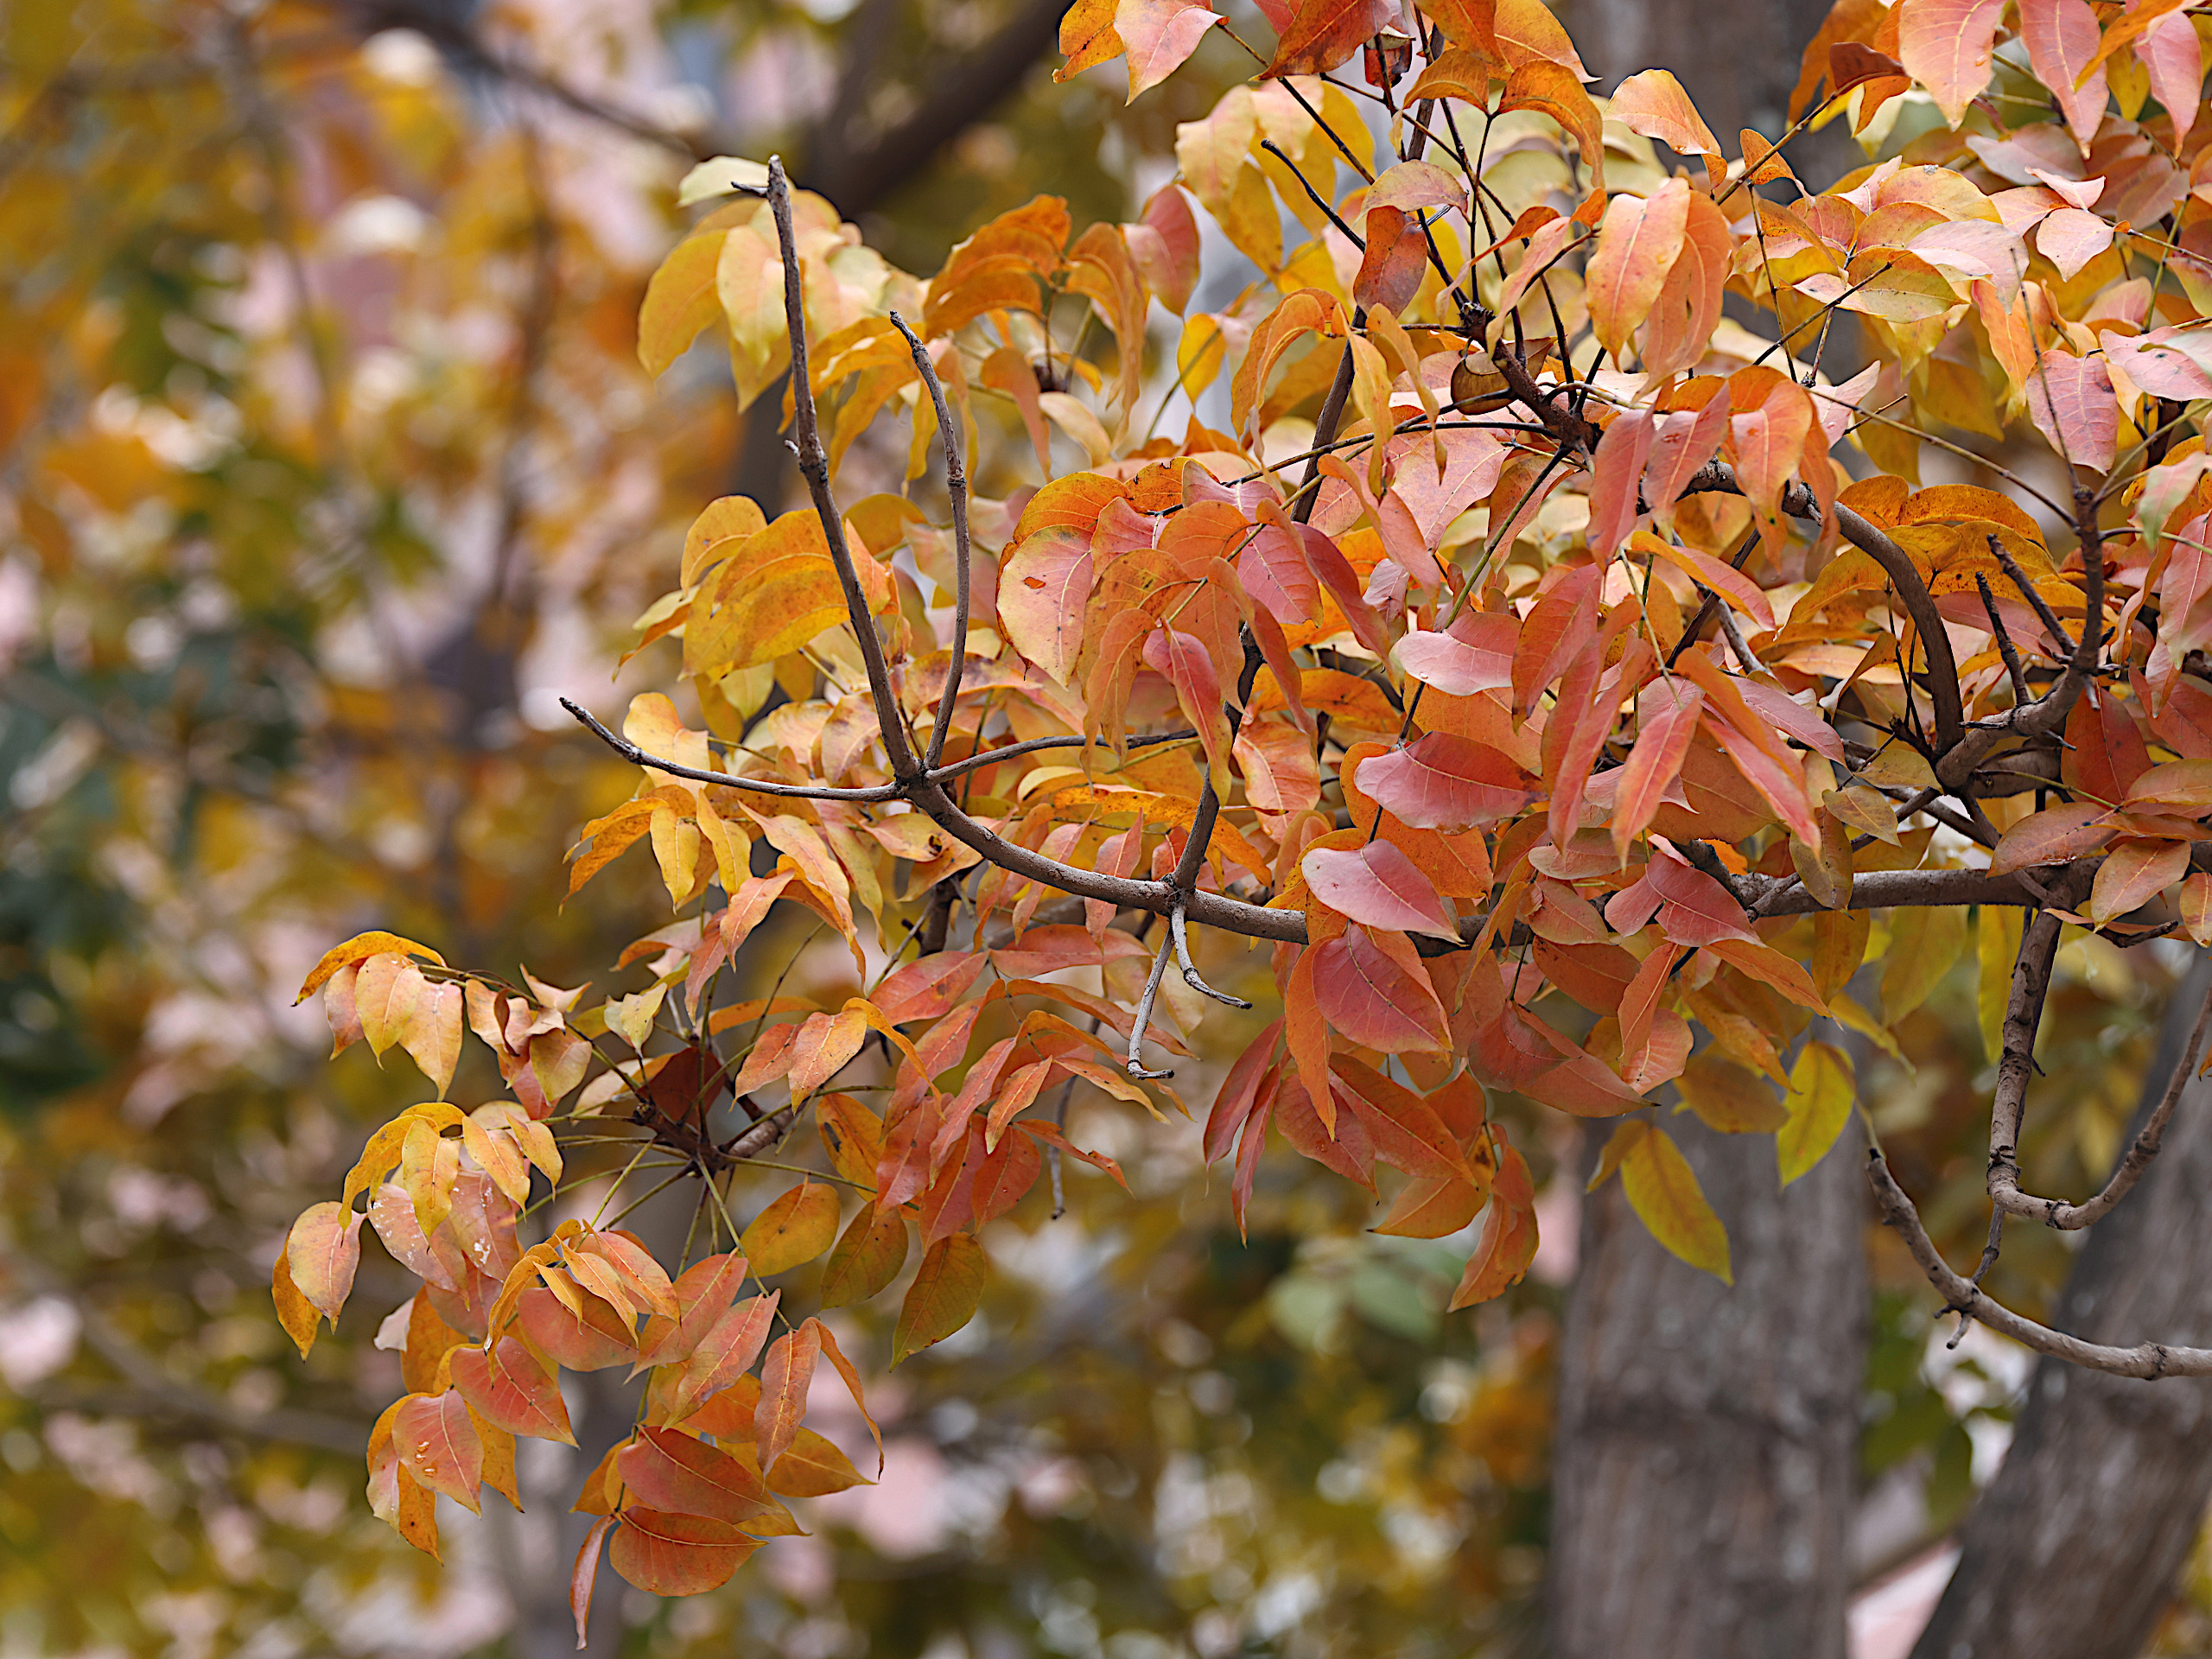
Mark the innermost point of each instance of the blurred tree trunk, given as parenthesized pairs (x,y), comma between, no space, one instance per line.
(2073,1548)
(1738,58)
(1706,1459)
(1707,1435)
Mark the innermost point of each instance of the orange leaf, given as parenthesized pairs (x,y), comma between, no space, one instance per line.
(510,1390)
(794,1228)
(322,1252)
(667,1469)
(439,1446)
(677,1554)
(1322,34)
(2135,873)
(946,1291)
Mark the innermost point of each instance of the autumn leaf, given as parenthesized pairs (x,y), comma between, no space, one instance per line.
(1663,1190)
(794,1228)
(671,1554)
(1823,1088)
(1323,33)
(947,1289)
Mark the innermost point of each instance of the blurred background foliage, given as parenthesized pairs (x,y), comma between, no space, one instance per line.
(326,467)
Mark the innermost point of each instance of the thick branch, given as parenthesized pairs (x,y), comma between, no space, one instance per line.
(2149,1360)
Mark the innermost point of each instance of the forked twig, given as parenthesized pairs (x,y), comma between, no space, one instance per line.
(1137,1066)
(1177,932)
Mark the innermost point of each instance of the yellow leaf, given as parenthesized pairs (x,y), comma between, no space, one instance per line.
(1663,1190)
(771,596)
(1925,941)
(680,301)
(360,948)
(794,1230)
(1822,1089)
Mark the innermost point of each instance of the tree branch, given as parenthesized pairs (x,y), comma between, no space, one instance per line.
(2148,1360)
(2072,1217)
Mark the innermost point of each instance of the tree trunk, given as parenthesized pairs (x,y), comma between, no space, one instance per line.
(1737,57)
(1705,1452)
(2073,1548)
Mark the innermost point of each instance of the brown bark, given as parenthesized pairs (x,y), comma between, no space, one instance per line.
(2073,1548)
(1707,1440)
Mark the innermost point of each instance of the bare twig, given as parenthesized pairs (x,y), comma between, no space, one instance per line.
(1136,1065)
(956,487)
(2150,1360)
(2016,1069)
(2021,695)
(631,752)
(2072,1217)
(1178,934)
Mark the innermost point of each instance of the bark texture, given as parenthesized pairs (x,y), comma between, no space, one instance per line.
(1705,1452)
(2073,1548)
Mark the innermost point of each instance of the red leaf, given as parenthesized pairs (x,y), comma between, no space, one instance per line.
(1375,998)
(598,1338)
(510,1390)
(706,1288)
(677,1554)
(439,1446)
(1407,1135)
(1274,572)
(1397,260)
(2072,403)
(1376,885)
(1617,471)
(1160,35)
(1555,631)
(2053,835)
(928,988)
(584,1575)
(1656,759)
(667,1469)
(1444,782)
(1240,1093)
(1475,655)
(1323,33)
(727,1351)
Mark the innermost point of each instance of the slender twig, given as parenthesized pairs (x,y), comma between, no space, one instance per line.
(2072,1217)
(992,757)
(1137,1066)
(2148,1360)
(2019,578)
(2005,649)
(631,752)
(956,487)
(805,444)
(1178,934)
(2016,1068)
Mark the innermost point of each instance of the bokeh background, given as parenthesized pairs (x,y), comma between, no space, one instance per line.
(326,465)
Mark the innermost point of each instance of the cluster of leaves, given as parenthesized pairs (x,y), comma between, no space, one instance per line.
(1405,673)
